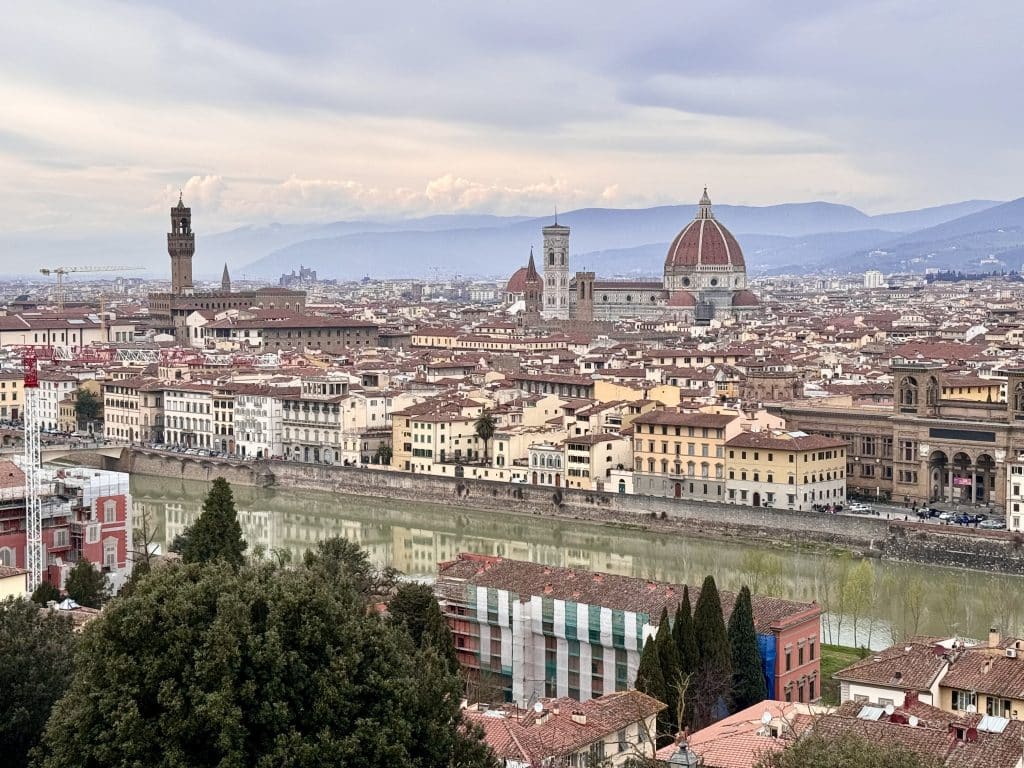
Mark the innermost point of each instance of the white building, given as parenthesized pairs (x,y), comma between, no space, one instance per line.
(873,279)
(258,421)
(53,388)
(1015,494)
(188,415)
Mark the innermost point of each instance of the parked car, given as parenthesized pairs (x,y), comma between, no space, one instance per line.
(859,509)
(992,524)
(947,517)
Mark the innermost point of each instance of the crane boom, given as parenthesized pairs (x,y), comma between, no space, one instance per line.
(61,271)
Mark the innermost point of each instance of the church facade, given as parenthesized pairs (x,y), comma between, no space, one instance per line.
(705,279)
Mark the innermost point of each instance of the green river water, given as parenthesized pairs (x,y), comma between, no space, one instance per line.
(886,600)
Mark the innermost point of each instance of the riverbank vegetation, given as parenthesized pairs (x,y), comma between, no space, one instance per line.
(834,658)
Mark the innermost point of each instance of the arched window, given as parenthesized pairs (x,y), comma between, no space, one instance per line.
(1018,400)
(7,556)
(908,391)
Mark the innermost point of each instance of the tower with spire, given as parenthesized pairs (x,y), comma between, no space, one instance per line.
(225,280)
(556,271)
(181,247)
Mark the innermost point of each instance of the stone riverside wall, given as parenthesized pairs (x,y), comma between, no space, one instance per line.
(912,542)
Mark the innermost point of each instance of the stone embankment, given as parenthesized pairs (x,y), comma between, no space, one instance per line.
(912,542)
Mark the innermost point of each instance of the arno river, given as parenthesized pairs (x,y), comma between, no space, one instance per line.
(897,599)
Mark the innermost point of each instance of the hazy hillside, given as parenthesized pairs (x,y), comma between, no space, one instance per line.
(792,237)
(985,241)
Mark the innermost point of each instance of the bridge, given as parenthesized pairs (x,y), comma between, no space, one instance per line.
(54,451)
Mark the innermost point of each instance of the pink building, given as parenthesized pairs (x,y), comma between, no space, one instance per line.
(86,513)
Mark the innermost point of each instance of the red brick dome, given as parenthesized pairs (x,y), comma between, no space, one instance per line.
(682,299)
(517,283)
(522,277)
(745,298)
(704,242)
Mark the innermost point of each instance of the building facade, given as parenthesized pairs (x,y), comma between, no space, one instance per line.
(537,630)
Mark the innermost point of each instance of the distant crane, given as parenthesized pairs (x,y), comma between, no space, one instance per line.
(32,468)
(61,271)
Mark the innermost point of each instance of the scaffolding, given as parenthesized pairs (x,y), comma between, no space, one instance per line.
(32,468)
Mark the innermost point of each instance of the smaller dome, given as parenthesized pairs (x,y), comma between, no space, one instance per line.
(517,283)
(523,277)
(745,298)
(682,299)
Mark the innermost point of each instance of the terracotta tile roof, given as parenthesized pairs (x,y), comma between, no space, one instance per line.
(784,441)
(987,671)
(673,417)
(913,666)
(740,740)
(528,737)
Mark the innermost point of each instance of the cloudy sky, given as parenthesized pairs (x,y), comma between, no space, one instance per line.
(312,111)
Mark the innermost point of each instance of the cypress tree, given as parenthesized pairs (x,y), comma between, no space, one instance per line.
(669,658)
(216,534)
(713,677)
(650,680)
(686,648)
(748,684)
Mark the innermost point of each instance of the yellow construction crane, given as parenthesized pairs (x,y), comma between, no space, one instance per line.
(61,271)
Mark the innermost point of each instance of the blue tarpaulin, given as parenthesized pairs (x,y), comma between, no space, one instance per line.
(766,647)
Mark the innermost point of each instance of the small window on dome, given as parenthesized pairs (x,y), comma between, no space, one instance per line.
(629,297)
(714,281)
(654,298)
(605,297)
(686,281)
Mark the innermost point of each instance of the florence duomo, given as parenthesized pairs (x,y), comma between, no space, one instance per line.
(705,279)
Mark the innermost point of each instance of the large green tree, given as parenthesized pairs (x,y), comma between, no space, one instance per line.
(339,559)
(263,666)
(216,534)
(45,592)
(415,609)
(686,648)
(748,683)
(668,655)
(88,407)
(87,586)
(848,750)
(713,676)
(651,680)
(35,669)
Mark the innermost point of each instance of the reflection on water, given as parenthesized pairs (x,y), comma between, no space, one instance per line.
(882,601)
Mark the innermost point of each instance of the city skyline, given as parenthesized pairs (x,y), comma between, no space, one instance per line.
(335,113)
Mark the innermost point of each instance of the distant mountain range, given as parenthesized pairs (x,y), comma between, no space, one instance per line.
(796,238)
(974,235)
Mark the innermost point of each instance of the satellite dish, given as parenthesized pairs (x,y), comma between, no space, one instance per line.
(912,721)
(538,707)
(889,709)
(766,717)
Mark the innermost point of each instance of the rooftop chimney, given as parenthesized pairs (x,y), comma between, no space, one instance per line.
(993,637)
(548,589)
(579,717)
